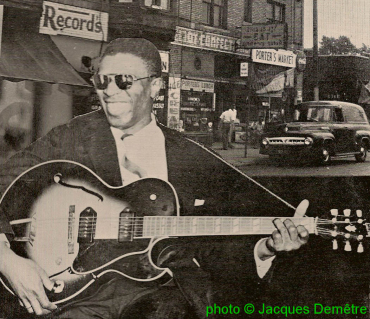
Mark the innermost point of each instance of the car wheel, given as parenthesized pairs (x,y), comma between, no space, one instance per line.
(363,153)
(324,156)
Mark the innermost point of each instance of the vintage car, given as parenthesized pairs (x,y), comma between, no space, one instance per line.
(323,130)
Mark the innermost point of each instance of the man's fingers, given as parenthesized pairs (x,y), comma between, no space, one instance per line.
(301,209)
(282,229)
(24,303)
(303,234)
(270,244)
(48,284)
(292,230)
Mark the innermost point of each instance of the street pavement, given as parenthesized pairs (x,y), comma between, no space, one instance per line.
(236,156)
(255,164)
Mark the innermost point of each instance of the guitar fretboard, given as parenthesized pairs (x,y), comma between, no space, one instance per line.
(154,226)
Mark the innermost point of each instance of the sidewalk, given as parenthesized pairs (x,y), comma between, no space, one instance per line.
(235,156)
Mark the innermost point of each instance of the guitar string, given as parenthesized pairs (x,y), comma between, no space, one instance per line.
(266,218)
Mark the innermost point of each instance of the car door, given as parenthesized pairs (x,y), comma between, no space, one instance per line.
(343,132)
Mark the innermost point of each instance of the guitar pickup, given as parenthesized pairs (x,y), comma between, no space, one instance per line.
(126,225)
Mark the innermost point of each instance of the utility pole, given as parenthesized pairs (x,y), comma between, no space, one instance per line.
(315,52)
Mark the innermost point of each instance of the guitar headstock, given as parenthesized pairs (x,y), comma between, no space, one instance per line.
(348,229)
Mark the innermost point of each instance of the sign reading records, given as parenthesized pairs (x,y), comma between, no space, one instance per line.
(73,21)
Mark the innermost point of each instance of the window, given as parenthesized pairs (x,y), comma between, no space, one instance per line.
(275,12)
(248,10)
(315,114)
(353,115)
(214,12)
(160,4)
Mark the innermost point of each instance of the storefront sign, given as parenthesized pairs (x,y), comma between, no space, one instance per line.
(301,61)
(199,86)
(244,69)
(174,85)
(274,57)
(204,40)
(73,21)
(263,36)
(165,61)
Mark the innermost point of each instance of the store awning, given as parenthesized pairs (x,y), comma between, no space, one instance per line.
(279,82)
(35,57)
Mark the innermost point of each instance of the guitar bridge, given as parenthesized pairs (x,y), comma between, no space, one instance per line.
(126,225)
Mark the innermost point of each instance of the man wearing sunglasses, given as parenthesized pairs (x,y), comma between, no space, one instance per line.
(123,143)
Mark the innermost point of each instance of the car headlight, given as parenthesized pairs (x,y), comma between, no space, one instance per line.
(265,141)
(308,141)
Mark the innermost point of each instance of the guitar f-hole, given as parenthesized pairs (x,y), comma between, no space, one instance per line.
(87,226)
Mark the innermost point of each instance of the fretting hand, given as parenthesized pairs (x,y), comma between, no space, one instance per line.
(286,237)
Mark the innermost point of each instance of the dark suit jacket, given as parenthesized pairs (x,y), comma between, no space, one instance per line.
(194,171)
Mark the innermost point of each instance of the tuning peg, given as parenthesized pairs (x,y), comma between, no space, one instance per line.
(360,221)
(347,246)
(360,248)
(335,244)
(347,212)
(334,212)
(359,213)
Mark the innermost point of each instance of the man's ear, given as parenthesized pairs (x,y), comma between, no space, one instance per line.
(156,86)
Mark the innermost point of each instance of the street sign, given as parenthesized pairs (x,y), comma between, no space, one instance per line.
(244,69)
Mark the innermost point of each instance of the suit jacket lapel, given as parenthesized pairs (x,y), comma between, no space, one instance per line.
(102,151)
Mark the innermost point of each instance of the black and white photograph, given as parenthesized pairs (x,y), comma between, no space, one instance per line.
(184,159)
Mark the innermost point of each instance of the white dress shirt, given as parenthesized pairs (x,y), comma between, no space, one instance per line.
(145,148)
(228,116)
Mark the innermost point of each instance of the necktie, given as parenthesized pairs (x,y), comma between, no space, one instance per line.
(129,165)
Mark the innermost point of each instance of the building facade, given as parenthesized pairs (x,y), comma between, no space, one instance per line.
(206,66)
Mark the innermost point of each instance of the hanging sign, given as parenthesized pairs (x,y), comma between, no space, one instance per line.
(263,36)
(73,21)
(274,57)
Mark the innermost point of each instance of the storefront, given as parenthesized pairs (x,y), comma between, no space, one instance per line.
(197,107)
(273,74)
(208,71)
(36,90)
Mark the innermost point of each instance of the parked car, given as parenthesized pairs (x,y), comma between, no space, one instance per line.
(323,130)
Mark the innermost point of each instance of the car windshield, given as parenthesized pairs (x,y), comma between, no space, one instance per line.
(315,114)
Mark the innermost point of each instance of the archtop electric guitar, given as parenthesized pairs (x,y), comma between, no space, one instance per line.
(78,228)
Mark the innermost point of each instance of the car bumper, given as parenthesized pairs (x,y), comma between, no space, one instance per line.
(289,150)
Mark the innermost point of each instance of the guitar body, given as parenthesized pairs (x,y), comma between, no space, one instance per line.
(78,228)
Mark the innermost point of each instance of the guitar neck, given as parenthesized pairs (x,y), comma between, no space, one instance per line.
(174,226)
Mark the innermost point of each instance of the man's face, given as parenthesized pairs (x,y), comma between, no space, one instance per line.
(131,108)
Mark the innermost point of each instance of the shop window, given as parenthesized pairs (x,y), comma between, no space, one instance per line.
(160,4)
(275,12)
(214,13)
(248,10)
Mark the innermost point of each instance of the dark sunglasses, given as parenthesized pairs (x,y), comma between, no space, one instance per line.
(123,81)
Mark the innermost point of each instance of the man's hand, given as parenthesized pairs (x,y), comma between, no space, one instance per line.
(27,280)
(286,237)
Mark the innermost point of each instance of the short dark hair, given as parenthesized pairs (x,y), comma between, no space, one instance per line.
(139,47)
